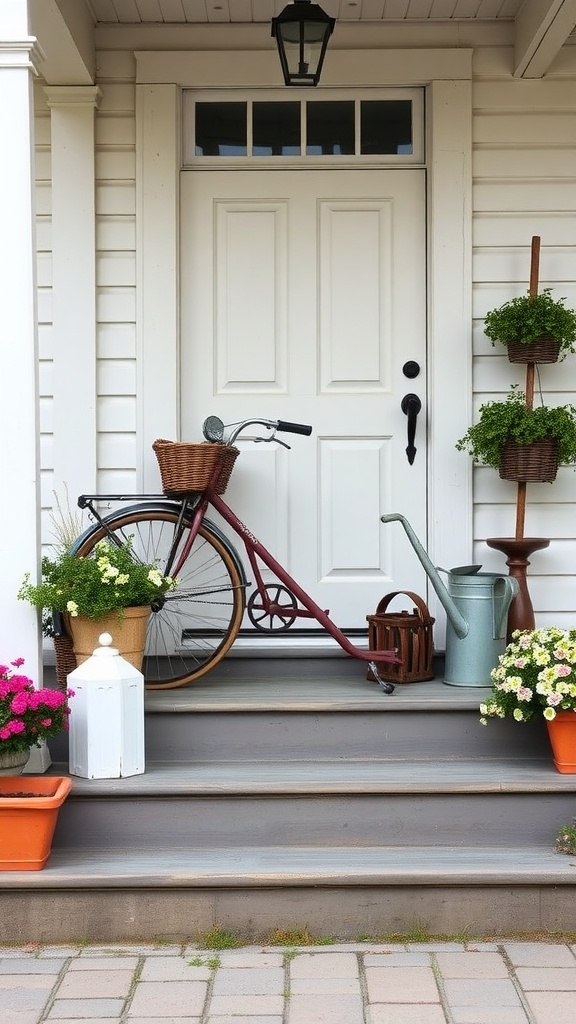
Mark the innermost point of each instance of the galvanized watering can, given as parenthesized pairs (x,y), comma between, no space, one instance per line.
(476,604)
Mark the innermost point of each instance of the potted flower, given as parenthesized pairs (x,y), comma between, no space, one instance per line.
(536,328)
(27,716)
(107,591)
(523,443)
(28,807)
(536,677)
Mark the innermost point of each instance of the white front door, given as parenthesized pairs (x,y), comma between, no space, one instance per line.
(302,299)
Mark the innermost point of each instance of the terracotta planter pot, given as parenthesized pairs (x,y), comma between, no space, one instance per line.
(562,733)
(127,628)
(541,350)
(29,809)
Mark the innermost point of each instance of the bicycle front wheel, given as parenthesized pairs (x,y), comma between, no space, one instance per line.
(197,623)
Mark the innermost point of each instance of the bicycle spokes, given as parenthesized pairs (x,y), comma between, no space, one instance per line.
(271,609)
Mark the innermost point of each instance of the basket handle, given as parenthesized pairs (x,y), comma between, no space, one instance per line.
(420,604)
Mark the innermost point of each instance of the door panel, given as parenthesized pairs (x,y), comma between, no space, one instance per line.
(303,294)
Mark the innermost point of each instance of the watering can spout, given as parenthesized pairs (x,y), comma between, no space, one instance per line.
(457,620)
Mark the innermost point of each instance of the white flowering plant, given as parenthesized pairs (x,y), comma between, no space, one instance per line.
(108,579)
(536,675)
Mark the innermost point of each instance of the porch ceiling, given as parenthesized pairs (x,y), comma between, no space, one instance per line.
(539,27)
(255,11)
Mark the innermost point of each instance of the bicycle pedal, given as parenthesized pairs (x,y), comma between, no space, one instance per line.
(384,685)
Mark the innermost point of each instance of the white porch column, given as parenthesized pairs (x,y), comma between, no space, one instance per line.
(19,437)
(73,287)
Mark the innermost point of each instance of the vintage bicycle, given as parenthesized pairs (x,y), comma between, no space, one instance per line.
(194,626)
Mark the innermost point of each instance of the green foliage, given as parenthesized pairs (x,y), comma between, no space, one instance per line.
(566,839)
(218,938)
(533,316)
(213,962)
(107,580)
(291,937)
(512,420)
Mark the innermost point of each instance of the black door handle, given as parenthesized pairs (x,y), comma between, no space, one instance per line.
(411,406)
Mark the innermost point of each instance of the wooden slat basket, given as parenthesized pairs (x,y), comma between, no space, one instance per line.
(185,466)
(409,633)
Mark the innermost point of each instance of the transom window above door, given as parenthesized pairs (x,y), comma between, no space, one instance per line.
(383,127)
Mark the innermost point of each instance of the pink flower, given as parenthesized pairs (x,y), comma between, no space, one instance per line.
(27,714)
(19,703)
(563,670)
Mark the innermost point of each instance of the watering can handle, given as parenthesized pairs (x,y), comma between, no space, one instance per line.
(510,590)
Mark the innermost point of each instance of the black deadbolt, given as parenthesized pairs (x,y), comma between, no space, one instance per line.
(411,369)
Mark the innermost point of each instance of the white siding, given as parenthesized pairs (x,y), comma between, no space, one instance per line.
(525,185)
(115,279)
(116,273)
(44,285)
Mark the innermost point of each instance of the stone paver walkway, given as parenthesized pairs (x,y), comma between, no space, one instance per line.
(507,982)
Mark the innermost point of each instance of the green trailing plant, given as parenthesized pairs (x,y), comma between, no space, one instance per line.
(109,579)
(529,317)
(511,420)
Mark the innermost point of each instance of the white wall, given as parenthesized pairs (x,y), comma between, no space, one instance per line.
(115,278)
(523,165)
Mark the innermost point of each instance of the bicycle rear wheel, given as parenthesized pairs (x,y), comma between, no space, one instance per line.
(196,624)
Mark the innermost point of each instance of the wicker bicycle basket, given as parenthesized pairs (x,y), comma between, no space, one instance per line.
(409,634)
(185,466)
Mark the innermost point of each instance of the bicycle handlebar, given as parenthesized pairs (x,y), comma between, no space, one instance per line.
(213,428)
(294,428)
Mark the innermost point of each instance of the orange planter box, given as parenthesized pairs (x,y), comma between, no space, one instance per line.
(27,821)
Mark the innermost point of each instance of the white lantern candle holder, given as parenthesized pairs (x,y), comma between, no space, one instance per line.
(106,739)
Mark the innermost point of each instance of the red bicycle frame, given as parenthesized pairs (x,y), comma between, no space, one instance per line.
(254,550)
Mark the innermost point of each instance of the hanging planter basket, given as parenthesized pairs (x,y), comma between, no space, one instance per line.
(541,350)
(536,462)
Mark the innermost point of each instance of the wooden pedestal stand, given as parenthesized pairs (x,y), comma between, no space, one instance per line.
(518,548)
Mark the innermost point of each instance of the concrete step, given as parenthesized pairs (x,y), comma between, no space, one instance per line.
(176,895)
(322,708)
(481,802)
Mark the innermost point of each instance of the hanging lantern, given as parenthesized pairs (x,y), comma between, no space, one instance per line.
(302,32)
